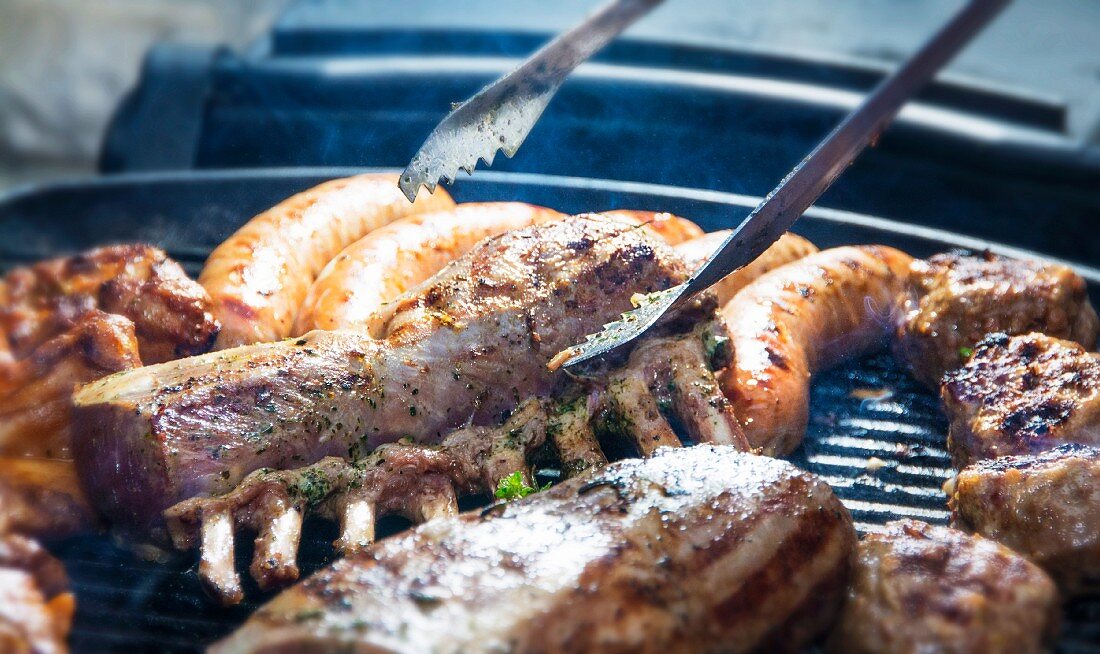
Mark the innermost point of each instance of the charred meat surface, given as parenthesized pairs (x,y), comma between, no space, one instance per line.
(36,607)
(1045,506)
(42,498)
(954,300)
(466,347)
(171,313)
(702,549)
(919,588)
(1021,395)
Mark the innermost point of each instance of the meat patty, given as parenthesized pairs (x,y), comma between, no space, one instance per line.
(702,549)
(918,588)
(36,608)
(954,300)
(1045,506)
(171,313)
(1021,395)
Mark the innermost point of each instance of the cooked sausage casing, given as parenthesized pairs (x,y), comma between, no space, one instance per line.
(355,289)
(790,247)
(798,319)
(702,549)
(259,276)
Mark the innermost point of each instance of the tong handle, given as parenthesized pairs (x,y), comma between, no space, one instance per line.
(801,188)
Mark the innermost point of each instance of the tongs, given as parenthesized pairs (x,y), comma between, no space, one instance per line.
(800,188)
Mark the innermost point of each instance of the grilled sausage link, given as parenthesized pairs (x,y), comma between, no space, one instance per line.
(798,319)
(700,549)
(790,247)
(259,276)
(672,229)
(356,288)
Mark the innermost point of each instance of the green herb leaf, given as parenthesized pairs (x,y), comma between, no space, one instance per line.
(513,487)
(966,352)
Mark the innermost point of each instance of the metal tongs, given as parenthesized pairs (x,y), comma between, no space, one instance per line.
(501,115)
(801,187)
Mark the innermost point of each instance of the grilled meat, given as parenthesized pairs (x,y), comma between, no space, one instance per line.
(1045,506)
(954,300)
(36,408)
(1021,395)
(790,247)
(170,312)
(469,345)
(36,608)
(796,320)
(42,498)
(703,549)
(918,588)
(259,276)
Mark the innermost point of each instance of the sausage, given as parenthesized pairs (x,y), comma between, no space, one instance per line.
(798,319)
(259,276)
(672,229)
(790,247)
(355,289)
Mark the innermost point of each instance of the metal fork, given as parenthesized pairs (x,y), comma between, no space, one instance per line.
(799,189)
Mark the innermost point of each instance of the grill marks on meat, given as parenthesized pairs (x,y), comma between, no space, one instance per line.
(170,312)
(954,300)
(1045,506)
(1020,395)
(919,588)
(470,344)
(702,549)
(36,607)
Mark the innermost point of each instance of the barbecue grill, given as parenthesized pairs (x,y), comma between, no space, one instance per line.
(973,167)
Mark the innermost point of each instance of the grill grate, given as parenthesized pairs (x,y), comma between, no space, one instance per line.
(861,410)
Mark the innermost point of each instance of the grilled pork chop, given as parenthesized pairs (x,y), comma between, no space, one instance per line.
(703,549)
(36,607)
(1021,395)
(468,345)
(917,588)
(1045,506)
(954,300)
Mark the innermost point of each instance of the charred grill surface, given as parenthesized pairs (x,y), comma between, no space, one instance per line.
(702,549)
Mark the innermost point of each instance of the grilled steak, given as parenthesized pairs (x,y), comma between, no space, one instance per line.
(36,608)
(470,344)
(954,300)
(1021,395)
(1045,506)
(703,549)
(918,588)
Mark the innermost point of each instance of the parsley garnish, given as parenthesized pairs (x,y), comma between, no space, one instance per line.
(513,487)
(966,352)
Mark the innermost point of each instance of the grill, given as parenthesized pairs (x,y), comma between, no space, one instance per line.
(866,409)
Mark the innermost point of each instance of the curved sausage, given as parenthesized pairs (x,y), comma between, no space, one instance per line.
(355,289)
(798,319)
(790,247)
(672,229)
(259,276)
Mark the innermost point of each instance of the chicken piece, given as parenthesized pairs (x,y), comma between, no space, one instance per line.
(799,319)
(1045,506)
(702,549)
(1021,395)
(36,607)
(36,408)
(954,300)
(170,312)
(42,498)
(466,347)
(918,588)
